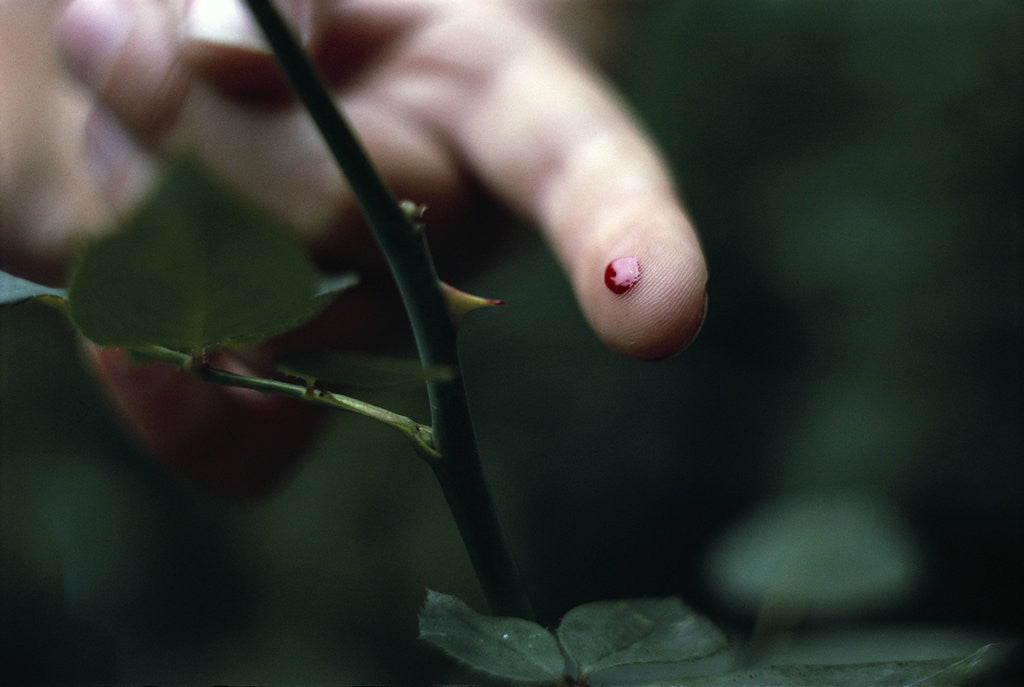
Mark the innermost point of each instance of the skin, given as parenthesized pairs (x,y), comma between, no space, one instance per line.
(459,102)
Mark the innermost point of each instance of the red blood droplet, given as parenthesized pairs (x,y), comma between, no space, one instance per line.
(622,274)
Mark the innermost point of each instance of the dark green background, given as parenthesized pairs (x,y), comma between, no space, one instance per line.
(855,171)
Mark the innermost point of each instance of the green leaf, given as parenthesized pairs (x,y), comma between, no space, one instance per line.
(17,290)
(194,267)
(352,370)
(609,634)
(819,554)
(508,648)
(931,673)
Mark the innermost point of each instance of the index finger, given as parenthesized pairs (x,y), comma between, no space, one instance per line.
(552,141)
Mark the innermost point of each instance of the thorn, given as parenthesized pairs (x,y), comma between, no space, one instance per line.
(459,302)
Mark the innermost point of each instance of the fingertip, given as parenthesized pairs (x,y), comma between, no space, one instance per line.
(127,54)
(674,314)
(646,299)
(91,34)
(228,23)
(224,45)
(224,23)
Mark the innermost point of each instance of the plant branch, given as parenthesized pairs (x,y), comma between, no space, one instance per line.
(403,244)
(420,435)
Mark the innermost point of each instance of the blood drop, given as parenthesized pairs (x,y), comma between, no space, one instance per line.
(622,274)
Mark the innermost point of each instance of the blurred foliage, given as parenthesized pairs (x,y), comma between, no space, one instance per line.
(855,170)
(202,292)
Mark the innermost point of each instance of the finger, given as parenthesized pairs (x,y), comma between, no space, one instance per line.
(223,44)
(227,23)
(128,53)
(552,141)
(123,171)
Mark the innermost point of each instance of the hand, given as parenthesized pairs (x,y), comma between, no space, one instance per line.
(448,97)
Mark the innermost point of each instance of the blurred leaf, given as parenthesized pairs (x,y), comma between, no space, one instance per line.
(17,290)
(339,370)
(508,648)
(871,643)
(608,634)
(194,267)
(934,673)
(816,553)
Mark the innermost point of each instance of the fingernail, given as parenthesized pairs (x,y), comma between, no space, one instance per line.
(92,33)
(229,23)
(622,274)
(224,22)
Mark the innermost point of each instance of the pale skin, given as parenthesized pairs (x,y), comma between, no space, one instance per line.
(451,98)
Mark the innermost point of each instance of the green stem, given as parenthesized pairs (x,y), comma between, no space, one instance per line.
(459,470)
(421,436)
